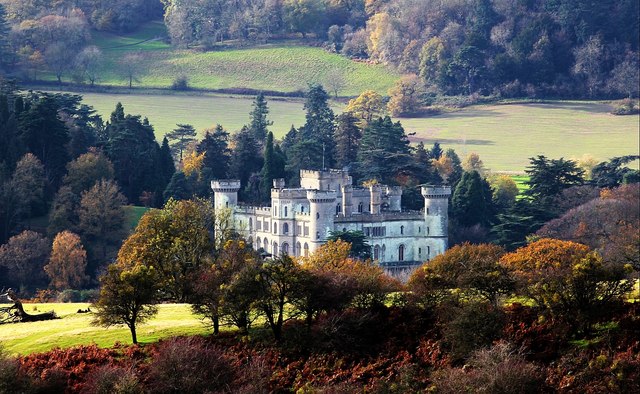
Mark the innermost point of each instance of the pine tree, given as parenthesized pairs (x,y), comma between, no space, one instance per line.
(315,143)
(259,122)
(347,137)
(245,158)
(436,151)
(167,166)
(268,170)
(471,201)
(215,145)
(182,137)
(456,174)
(384,151)
(178,188)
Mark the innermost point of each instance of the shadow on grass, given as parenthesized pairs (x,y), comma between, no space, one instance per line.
(594,108)
(448,141)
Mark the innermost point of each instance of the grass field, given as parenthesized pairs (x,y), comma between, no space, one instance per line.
(76,329)
(504,136)
(283,67)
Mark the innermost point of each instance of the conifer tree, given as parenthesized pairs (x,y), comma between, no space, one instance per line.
(259,122)
(384,151)
(268,168)
(471,201)
(245,158)
(347,137)
(215,145)
(182,137)
(167,165)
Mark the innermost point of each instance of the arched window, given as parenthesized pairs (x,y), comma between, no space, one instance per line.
(384,252)
(286,211)
(401,253)
(285,248)
(265,245)
(258,242)
(401,230)
(338,209)
(317,234)
(317,215)
(275,249)
(285,228)
(297,251)
(226,204)
(376,252)
(360,207)
(275,228)
(302,209)
(306,250)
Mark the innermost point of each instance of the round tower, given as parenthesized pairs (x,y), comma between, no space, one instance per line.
(436,210)
(322,210)
(375,192)
(225,193)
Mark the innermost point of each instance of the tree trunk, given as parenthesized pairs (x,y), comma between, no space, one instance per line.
(134,337)
(216,325)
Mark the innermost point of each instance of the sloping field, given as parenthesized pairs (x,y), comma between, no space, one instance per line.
(76,329)
(283,67)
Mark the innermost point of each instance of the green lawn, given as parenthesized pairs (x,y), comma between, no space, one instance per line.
(133,215)
(284,66)
(75,329)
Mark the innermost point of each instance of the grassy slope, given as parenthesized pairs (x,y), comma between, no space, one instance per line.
(75,329)
(504,136)
(278,67)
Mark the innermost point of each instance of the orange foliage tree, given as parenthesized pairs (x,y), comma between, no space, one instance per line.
(68,262)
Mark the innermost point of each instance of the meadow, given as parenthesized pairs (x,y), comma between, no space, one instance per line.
(75,329)
(284,66)
(504,136)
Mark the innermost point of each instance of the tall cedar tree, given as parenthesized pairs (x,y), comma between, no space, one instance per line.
(384,151)
(347,137)
(268,169)
(245,158)
(315,144)
(215,145)
(46,136)
(167,166)
(259,122)
(181,137)
(471,201)
(135,155)
(549,177)
(178,188)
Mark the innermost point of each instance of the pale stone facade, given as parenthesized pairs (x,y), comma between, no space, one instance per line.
(299,220)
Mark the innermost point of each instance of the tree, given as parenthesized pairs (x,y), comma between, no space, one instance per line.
(245,157)
(23,257)
(67,263)
(367,107)
(64,211)
(130,67)
(56,56)
(384,151)
(86,170)
(178,188)
(268,172)
(473,269)
(181,137)
(625,77)
(504,189)
(433,62)
(405,96)
(102,217)
(589,62)
(347,137)
(613,173)
(303,16)
(471,202)
(177,241)
(318,130)
(549,177)
(88,63)
(359,248)
(167,167)
(128,294)
(259,122)
(473,162)
(335,81)
(215,145)
(28,182)
(567,280)
(5,49)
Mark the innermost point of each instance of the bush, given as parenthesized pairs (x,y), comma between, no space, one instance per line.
(111,379)
(189,365)
(12,380)
(626,107)
(70,295)
(181,82)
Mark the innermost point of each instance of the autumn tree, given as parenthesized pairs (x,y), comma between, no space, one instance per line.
(27,186)
(181,137)
(405,96)
(368,106)
(504,189)
(86,170)
(23,258)
(67,263)
(567,280)
(128,294)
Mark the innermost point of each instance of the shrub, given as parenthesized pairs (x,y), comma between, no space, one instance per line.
(181,82)
(12,380)
(111,379)
(188,365)
(626,107)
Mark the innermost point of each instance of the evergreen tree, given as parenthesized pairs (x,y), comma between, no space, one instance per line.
(549,177)
(315,143)
(268,168)
(456,164)
(245,158)
(5,49)
(347,137)
(259,122)
(471,201)
(436,151)
(182,137)
(384,151)
(167,166)
(289,139)
(215,145)
(178,188)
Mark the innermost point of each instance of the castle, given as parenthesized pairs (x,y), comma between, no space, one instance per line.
(300,220)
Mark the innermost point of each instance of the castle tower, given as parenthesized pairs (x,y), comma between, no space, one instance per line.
(347,205)
(376,199)
(225,193)
(394,193)
(436,209)
(322,210)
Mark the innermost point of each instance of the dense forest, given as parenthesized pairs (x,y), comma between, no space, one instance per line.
(537,48)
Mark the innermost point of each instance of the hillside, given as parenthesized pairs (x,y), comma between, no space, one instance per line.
(284,67)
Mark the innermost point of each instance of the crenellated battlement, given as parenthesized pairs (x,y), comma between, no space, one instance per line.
(436,191)
(225,185)
(321,196)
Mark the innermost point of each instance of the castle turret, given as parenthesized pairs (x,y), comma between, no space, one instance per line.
(225,193)
(322,210)
(394,193)
(376,199)
(347,205)
(436,209)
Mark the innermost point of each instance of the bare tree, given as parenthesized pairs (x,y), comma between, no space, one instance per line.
(130,67)
(335,81)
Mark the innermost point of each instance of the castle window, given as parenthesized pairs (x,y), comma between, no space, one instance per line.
(302,209)
(419,229)
(401,253)
(419,252)
(376,252)
(338,209)
(427,230)
(306,231)
(266,226)
(285,248)
(317,234)
(266,245)
(258,242)
(427,211)
(275,228)
(306,250)
(250,224)
(275,248)
(360,207)
(297,251)
(401,230)
(344,229)
(286,211)
(367,231)
(428,251)
(285,228)
(317,215)
(227,204)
